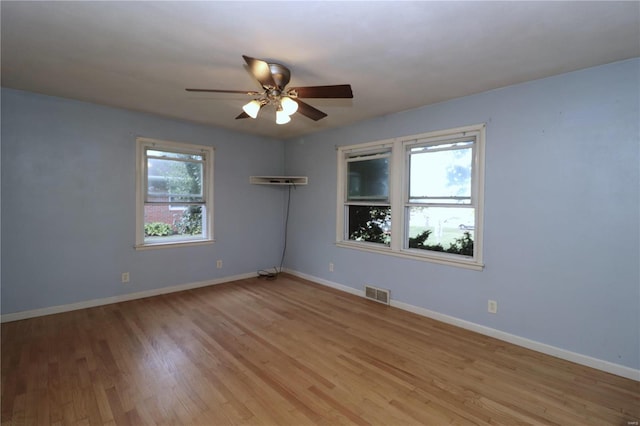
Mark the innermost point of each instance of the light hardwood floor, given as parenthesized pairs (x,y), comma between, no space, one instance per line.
(287,352)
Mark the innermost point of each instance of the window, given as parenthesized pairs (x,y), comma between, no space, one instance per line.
(367,204)
(174,194)
(418,196)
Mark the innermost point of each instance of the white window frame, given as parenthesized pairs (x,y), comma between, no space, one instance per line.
(399,195)
(207,152)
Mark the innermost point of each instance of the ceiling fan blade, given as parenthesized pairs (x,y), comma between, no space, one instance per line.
(246,92)
(309,111)
(261,71)
(336,91)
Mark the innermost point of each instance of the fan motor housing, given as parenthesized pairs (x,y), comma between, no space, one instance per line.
(281,75)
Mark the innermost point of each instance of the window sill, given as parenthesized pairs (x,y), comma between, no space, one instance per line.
(411,254)
(172,245)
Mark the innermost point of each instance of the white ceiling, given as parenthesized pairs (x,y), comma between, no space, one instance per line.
(396,55)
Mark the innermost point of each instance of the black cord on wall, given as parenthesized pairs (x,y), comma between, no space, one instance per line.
(277,270)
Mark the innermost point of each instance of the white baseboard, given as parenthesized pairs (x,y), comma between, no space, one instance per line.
(326,283)
(609,367)
(116,299)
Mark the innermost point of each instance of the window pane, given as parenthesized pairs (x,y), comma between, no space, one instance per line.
(165,223)
(175,181)
(443,229)
(370,223)
(368,179)
(440,176)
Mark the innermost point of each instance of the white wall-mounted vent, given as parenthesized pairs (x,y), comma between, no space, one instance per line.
(278,180)
(377,294)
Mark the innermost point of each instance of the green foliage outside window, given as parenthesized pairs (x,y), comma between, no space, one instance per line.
(157,229)
(370,224)
(190,223)
(462,246)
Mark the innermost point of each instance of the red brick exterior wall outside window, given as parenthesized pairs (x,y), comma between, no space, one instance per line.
(161,213)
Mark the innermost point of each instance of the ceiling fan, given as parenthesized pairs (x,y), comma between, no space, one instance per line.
(274,78)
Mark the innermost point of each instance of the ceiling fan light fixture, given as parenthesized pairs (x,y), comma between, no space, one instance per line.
(282,117)
(289,106)
(252,108)
(274,79)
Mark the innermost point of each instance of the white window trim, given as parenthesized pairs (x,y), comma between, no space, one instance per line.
(141,145)
(398,188)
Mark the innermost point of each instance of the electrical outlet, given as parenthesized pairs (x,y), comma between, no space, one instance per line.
(125,277)
(330,266)
(492,306)
(219,264)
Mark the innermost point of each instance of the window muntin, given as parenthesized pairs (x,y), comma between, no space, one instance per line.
(175,193)
(435,195)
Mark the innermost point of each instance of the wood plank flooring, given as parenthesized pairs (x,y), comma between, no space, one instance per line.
(287,352)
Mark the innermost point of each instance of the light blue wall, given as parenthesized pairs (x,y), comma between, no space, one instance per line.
(68,203)
(561,221)
(561,218)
